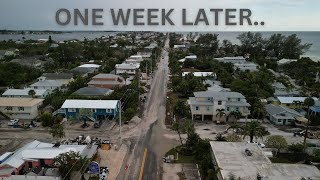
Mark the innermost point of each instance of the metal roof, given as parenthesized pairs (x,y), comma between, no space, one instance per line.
(23,92)
(90,104)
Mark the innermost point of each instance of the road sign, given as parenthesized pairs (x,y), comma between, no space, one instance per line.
(94,168)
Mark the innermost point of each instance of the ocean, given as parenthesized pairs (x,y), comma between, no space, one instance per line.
(306,37)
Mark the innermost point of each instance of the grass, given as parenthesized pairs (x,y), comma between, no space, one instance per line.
(280,160)
(181,158)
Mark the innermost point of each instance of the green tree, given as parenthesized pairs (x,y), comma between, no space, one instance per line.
(176,126)
(47,119)
(254,129)
(277,141)
(57,132)
(220,113)
(307,102)
(296,148)
(125,76)
(68,162)
(236,115)
(32,93)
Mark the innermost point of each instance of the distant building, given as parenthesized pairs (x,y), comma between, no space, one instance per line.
(189,58)
(53,81)
(35,160)
(281,90)
(85,69)
(205,104)
(100,109)
(286,61)
(108,81)
(130,69)
(231,158)
(201,74)
(20,108)
(136,57)
(291,101)
(233,60)
(280,115)
(246,66)
(146,55)
(24,93)
(92,92)
(179,46)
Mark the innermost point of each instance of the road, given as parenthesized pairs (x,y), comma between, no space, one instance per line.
(145,161)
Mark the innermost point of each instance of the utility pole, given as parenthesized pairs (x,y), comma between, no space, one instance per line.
(139,87)
(120,109)
(147,71)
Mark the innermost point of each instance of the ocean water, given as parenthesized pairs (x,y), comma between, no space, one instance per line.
(306,37)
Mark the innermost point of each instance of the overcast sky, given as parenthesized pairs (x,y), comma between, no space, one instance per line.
(279,15)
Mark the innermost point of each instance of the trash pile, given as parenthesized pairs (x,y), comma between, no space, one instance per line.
(82,140)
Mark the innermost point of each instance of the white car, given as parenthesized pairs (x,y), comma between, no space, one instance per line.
(13,122)
(259,144)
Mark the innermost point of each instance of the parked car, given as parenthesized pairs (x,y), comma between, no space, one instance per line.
(13,122)
(259,144)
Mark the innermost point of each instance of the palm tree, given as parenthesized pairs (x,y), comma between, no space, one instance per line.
(125,77)
(307,102)
(220,113)
(32,93)
(57,132)
(254,129)
(259,112)
(236,114)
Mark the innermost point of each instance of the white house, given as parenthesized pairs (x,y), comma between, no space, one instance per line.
(20,108)
(24,93)
(280,115)
(201,74)
(50,85)
(286,61)
(205,104)
(246,66)
(130,69)
(136,57)
(233,60)
(190,58)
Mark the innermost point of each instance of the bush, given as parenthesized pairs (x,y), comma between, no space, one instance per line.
(128,114)
(47,120)
(296,148)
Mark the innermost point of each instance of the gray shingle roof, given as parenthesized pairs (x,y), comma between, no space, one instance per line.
(92,91)
(218,95)
(56,76)
(275,109)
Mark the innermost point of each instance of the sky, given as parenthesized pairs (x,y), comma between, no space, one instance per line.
(278,15)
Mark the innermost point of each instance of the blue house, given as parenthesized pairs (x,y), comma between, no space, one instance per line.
(100,109)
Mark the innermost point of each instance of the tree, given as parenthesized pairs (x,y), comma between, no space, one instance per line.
(176,127)
(220,113)
(296,148)
(32,93)
(259,111)
(125,76)
(57,132)
(307,102)
(181,109)
(277,141)
(47,119)
(66,162)
(254,129)
(236,115)
(85,113)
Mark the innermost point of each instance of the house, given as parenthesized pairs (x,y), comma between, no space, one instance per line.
(100,109)
(24,93)
(107,81)
(201,74)
(231,158)
(214,85)
(286,61)
(146,55)
(85,69)
(136,57)
(34,61)
(130,69)
(280,115)
(36,159)
(8,53)
(315,109)
(233,60)
(281,90)
(205,105)
(20,108)
(291,101)
(92,92)
(189,58)
(179,46)
(53,81)
(246,66)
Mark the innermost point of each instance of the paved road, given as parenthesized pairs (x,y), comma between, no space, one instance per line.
(145,161)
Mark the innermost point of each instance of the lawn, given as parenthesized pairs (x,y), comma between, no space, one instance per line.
(181,158)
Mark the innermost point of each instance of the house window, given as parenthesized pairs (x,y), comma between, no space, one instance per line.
(237,109)
(9,108)
(197,108)
(208,99)
(21,108)
(109,110)
(72,110)
(35,87)
(219,102)
(208,108)
(238,99)
(289,120)
(93,110)
(228,108)
(279,120)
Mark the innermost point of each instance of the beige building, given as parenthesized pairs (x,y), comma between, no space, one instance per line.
(20,108)
(206,104)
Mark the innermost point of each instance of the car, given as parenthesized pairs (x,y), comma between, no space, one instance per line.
(13,122)
(259,144)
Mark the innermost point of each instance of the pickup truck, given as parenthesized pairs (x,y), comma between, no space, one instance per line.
(13,122)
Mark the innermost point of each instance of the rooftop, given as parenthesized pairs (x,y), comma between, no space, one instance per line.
(232,159)
(220,95)
(90,65)
(199,74)
(290,100)
(19,102)
(56,76)
(275,109)
(107,76)
(93,91)
(53,83)
(127,66)
(23,92)
(90,104)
